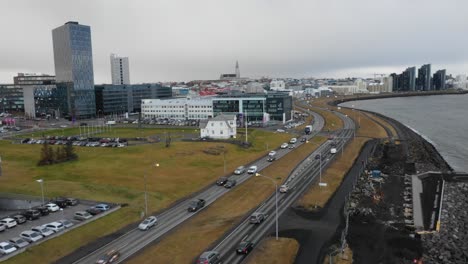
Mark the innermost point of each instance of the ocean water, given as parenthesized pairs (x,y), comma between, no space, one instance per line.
(441,119)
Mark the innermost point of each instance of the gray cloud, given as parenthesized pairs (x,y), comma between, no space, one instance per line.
(185,40)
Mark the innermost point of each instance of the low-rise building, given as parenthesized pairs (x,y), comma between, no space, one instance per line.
(177,108)
(223,126)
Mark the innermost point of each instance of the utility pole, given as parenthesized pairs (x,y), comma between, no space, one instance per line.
(246,141)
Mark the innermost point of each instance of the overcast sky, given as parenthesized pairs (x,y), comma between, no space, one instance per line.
(181,40)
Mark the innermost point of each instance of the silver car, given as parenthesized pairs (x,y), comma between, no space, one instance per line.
(66,223)
(44,231)
(239,170)
(31,236)
(2,227)
(148,223)
(18,242)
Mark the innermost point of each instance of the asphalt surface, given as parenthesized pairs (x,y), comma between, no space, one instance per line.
(134,240)
(299,181)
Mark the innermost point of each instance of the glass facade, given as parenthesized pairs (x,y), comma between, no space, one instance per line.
(11,98)
(277,104)
(74,67)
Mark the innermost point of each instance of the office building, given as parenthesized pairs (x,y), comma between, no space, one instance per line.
(438,80)
(73,58)
(407,80)
(177,108)
(424,78)
(11,98)
(112,99)
(119,69)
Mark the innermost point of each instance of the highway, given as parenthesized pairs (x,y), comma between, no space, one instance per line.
(299,180)
(135,240)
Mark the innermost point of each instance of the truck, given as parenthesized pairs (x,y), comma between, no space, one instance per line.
(308,129)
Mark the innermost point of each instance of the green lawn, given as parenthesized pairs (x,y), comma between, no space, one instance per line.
(116,175)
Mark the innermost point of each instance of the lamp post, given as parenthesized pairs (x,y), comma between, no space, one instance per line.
(318,156)
(41,182)
(276,199)
(146,193)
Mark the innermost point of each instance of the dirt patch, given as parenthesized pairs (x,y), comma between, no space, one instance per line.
(271,251)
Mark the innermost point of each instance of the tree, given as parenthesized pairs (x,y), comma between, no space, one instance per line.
(69,152)
(46,155)
(59,155)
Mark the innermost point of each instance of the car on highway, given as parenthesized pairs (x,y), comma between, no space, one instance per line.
(52,207)
(252,170)
(271,156)
(195,205)
(20,219)
(333,150)
(293,141)
(257,218)
(284,145)
(18,242)
(32,214)
(2,227)
(148,223)
(82,215)
(209,257)
(291,146)
(284,188)
(110,257)
(55,226)
(244,247)
(102,207)
(303,139)
(66,223)
(31,236)
(44,231)
(239,170)
(9,222)
(221,181)
(6,248)
(230,183)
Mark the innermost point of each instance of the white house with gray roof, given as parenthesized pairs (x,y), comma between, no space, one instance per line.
(223,126)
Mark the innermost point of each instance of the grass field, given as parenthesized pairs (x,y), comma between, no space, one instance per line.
(200,231)
(116,175)
(270,251)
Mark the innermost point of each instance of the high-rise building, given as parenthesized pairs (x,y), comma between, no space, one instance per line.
(73,59)
(119,69)
(407,80)
(395,82)
(424,78)
(439,80)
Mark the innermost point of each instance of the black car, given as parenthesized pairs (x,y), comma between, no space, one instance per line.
(196,204)
(32,214)
(93,211)
(230,183)
(61,202)
(110,257)
(303,139)
(43,210)
(244,247)
(221,181)
(71,201)
(20,219)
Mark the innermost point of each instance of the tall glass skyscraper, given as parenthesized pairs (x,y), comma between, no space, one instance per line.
(73,59)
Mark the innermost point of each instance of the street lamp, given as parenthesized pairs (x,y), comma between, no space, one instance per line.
(319,156)
(276,199)
(41,182)
(146,194)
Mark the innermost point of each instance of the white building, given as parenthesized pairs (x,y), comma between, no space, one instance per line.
(180,108)
(220,127)
(277,85)
(119,69)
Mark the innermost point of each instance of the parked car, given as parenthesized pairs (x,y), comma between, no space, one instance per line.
(102,207)
(55,226)
(252,170)
(230,183)
(110,257)
(66,223)
(52,207)
(32,214)
(284,145)
(9,222)
(244,247)
(148,223)
(61,202)
(196,204)
(221,181)
(283,188)
(20,219)
(2,227)
(71,201)
(209,257)
(31,236)
(239,170)
(6,248)
(44,231)
(18,242)
(93,211)
(43,210)
(257,218)
(82,215)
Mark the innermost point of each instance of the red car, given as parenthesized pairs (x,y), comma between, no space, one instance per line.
(110,257)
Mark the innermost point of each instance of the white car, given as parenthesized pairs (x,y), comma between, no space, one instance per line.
(280,130)
(31,236)
(333,150)
(9,222)
(102,207)
(239,170)
(6,248)
(293,140)
(44,231)
(148,223)
(284,145)
(283,188)
(52,207)
(252,170)
(55,226)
